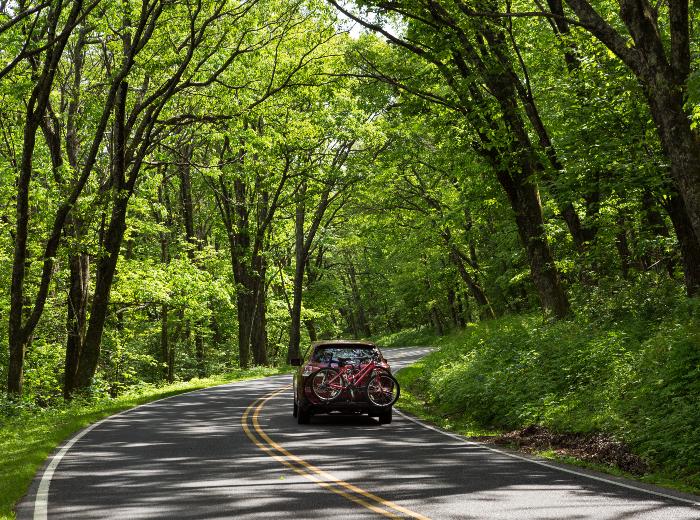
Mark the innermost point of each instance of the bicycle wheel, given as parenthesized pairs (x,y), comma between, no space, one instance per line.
(383,390)
(326,384)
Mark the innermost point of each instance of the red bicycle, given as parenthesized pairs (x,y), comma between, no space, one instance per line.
(382,389)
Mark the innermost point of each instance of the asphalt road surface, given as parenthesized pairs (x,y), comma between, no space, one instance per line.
(235,451)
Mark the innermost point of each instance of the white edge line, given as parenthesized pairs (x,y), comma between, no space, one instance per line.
(546,465)
(41,501)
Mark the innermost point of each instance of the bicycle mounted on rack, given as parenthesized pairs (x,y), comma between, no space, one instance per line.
(346,376)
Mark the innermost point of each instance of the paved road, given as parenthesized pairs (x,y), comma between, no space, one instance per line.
(235,451)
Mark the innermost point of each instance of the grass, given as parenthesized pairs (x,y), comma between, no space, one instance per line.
(28,437)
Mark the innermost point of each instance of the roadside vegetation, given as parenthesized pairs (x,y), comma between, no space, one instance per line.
(195,187)
(616,387)
(28,434)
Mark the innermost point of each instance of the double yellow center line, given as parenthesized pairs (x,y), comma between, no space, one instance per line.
(324,479)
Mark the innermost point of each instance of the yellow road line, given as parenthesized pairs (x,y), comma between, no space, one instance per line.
(312,472)
(302,472)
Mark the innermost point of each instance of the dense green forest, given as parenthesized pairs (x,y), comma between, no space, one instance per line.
(193,186)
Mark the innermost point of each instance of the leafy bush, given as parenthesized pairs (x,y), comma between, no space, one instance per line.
(629,370)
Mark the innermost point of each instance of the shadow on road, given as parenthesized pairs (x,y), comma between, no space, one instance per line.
(187,457)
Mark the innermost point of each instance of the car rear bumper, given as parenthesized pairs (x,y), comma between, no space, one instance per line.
(340,405)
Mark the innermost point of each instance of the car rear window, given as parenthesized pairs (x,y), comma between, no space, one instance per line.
(326,354)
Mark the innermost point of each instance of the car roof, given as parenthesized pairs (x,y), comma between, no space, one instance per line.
(342,343)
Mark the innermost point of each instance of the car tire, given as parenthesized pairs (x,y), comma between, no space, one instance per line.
(385,417)
(303,416)
(295,410)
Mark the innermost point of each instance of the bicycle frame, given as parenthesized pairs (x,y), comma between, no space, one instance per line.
(354,379)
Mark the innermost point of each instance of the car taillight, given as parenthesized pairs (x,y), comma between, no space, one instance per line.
(307,370)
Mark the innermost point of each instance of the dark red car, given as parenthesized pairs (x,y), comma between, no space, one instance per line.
(348,376)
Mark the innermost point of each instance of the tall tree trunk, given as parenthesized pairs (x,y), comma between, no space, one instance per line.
(681,145)
(19,334)
(622,245)
(79,262)
(311,329)
(235,212)
(689,245)
(303,241)
(312,276)
(245,299)
(76,322)
(103,285)
(516,176)
(525,201)
(244,306)
(454,309)
(485,310)
(18,338)
(258,336)
(259,332)
(299,265)
(165,342)
(437,322)
(362,325)
(107,263)
(518,172)
(184,172)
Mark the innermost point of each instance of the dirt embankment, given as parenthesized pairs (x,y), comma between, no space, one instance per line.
(593,447)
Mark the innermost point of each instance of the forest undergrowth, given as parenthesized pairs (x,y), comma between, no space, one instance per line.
(624,371)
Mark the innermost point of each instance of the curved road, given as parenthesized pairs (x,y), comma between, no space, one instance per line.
(234,451)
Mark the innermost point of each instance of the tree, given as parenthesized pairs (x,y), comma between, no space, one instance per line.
(20,333)
(136,134)
(479,52)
